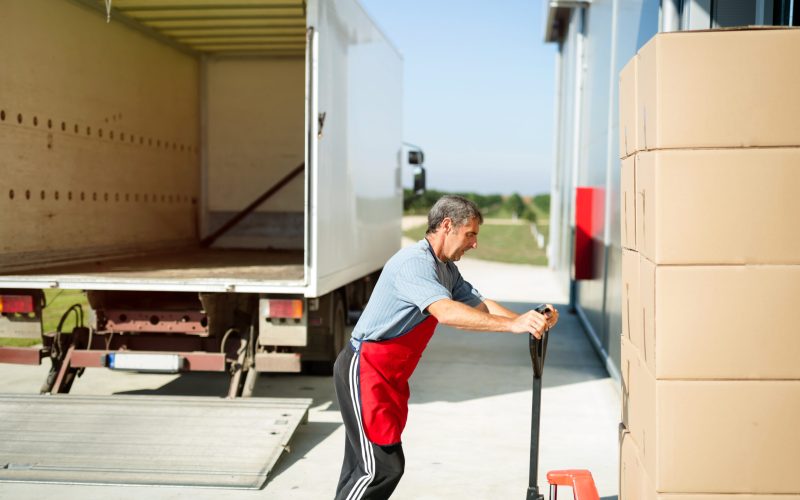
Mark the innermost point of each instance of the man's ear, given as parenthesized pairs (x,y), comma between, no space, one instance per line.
(447,224)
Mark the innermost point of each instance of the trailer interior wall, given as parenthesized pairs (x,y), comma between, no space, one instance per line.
(99,133)
(356,185)
(254,135)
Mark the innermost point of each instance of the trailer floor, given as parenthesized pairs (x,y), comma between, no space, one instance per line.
(189,269)
(145,440)
(190,263)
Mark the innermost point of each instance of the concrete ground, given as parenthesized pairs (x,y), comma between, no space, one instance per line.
(468,433)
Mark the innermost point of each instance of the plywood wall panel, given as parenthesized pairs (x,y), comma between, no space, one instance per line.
(99,132)
(255,132)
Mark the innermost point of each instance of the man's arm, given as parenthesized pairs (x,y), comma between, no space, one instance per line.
(458,315)
(493,307)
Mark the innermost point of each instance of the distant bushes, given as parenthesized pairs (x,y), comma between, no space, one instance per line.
(542,203)
(493,205)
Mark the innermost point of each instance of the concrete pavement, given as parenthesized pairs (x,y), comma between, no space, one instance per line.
(468,433)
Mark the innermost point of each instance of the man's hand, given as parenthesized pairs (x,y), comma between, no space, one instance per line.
(530,322)
(552,317)
(536,323)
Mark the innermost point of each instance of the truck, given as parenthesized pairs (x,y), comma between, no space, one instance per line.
(223,180)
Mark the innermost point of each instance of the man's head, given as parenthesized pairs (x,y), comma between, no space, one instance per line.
(453,222)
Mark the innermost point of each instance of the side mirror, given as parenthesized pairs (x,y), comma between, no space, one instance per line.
(416,157)
(419,179)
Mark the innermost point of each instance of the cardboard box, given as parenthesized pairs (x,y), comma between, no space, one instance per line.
(633,371)
(627,204)
(718,206)
(631,472)
(720,437)
(701,496)
(632,322)
(627,356)
(640,399)
(719,88)
(628,128)
(720,322)
(636,485)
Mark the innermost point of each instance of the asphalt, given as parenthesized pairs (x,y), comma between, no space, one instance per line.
(468,434)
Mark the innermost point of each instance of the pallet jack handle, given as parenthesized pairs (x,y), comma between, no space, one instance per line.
(581,481)
(538,348)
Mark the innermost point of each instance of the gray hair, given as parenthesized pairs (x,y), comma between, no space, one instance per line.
(457,208)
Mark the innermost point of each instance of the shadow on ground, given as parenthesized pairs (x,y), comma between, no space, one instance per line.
(494,364)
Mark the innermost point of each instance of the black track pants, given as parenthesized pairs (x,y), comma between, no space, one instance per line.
(369,471)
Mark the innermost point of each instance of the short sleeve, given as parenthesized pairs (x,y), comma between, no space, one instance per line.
(416,283)
(464,292)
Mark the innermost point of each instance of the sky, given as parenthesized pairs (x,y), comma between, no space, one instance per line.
(479,87)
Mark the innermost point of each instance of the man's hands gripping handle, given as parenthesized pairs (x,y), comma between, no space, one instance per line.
(536,321)
(538,344)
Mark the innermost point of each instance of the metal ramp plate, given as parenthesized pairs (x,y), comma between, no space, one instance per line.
(145,440)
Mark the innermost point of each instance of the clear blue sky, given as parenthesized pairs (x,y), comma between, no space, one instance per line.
(479,90)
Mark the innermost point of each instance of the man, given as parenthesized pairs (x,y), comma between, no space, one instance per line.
(419,287)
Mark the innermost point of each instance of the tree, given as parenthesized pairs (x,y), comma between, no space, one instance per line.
(528,214)
(515,204)
(542,202)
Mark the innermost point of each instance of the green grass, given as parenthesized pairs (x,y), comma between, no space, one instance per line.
(19,342)
(512,244)
(497,212)
(58,301)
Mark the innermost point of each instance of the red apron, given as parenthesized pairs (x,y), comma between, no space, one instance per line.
(384,369)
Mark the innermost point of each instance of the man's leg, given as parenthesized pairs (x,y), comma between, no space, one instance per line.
(389,465)
(356,483)
(351,443)
(369,471)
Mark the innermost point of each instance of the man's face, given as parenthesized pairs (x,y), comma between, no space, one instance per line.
(458,240)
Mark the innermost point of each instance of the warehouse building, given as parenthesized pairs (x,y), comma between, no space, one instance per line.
(595,41)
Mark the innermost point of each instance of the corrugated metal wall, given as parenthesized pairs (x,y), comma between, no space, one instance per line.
(599,40)
(596,39)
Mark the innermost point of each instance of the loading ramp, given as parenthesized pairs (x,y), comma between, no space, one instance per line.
(145,440)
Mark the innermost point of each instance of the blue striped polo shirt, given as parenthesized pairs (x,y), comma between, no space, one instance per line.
(410,281)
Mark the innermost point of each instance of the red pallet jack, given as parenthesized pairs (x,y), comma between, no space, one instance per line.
(580,480)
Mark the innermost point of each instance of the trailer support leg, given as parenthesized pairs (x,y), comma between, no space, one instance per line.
(250,381)
(61,347)
(66,374)
(235,388)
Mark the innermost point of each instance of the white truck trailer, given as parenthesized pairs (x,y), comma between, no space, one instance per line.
(128,143)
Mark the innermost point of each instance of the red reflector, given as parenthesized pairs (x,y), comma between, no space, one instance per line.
(285,309)
(16,304)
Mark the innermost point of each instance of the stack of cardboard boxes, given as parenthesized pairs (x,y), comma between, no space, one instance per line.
(710,147)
